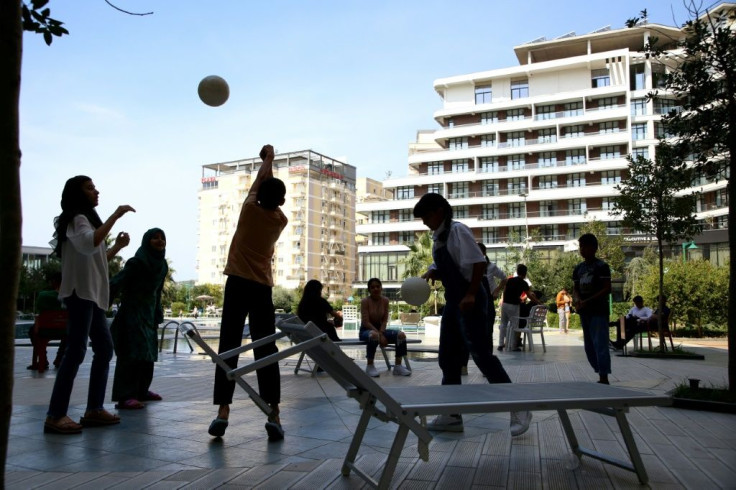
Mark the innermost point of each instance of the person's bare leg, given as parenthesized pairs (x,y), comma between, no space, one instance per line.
(223,412)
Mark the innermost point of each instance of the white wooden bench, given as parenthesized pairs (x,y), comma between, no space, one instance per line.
(407,406)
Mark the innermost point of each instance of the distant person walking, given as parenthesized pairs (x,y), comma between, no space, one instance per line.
(592,279)
(563,301)
(80,242)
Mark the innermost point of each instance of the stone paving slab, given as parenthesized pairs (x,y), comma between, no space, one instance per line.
(166,445)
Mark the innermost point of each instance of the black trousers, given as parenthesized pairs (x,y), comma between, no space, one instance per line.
(247,298)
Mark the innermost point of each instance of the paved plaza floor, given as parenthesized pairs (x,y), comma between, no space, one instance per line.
(166,445)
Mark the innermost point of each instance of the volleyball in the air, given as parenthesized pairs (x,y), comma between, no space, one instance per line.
(415,291)
(213,90)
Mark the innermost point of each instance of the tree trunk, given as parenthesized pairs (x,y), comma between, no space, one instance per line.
(11,51)
(660,300)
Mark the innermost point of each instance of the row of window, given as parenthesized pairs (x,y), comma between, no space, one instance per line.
(600,77)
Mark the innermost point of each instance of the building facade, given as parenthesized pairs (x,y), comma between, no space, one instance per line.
(530,153)
(319,241)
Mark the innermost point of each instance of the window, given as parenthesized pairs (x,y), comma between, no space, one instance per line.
(637,78)
(516,209)
(573,109)
(435,188)
(613,228)
(575,157)
(459,166)
(489,164)
(487,140)
(376,217)
(547,159)
(547,181)
(638,107)
(600,78)
(519,88)
(490,211)
(490,235)
(608,127)
(547,135)
(546,112)
(607,203)
(516,162)
(406,215)
(460,212)
(516,138)
(576,206)
(637,152)
(380,239)
(516,186)
(609,152)
(405,192)
(450,123)
(607,103)
(639,131)
(483,94)
(610,177)
(665,106)
(435,168)
(661,131)
(658,75)
(573,231)
(577,131)
(490,188)
(548,232)
(489,117)
(576,180)
(406,237)
(457,144)
(515,114)
(458,190)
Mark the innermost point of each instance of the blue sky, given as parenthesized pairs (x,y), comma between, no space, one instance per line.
(117,98)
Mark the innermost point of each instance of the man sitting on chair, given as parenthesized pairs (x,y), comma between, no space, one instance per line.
(635,321)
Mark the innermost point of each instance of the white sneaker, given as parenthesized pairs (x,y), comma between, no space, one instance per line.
(520,422)
(371,371)
(446,423)
(400,370)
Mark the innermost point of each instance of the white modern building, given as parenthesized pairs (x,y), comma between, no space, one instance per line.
(318,243)
(531,152)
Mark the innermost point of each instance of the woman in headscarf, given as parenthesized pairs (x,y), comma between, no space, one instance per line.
(134,328)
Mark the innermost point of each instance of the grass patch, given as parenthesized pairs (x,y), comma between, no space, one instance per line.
(711,394)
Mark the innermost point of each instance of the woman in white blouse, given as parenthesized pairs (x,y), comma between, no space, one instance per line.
(80,242)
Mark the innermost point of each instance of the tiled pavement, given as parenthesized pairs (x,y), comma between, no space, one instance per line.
(166,445)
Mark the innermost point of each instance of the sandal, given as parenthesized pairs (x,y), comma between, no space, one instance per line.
(217,427)
(151,396)
(61,425)
(131,404)
(96,418)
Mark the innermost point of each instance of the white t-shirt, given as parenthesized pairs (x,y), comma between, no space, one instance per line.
(462,247)
(641,313)
(84,266)
(494,276)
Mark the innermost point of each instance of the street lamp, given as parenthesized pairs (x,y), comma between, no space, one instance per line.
(526,216)
(685,247)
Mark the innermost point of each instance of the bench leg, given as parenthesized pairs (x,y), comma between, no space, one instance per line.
(393,457)
(365,417)
(623,425)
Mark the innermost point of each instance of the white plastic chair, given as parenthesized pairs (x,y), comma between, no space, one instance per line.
(350,316)
(535,323)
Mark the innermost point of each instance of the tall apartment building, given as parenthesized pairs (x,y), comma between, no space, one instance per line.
(318,243)
(531,152)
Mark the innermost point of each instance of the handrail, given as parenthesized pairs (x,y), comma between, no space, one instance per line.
(176,335)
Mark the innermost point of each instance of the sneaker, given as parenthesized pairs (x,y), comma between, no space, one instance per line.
(447,423)
(464,371)
(371,371)
(520,422)
(400,370)
(275,431)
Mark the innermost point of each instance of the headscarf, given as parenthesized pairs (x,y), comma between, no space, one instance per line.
(153,260)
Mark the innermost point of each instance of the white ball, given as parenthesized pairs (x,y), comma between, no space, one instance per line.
(213,90)
(415,291)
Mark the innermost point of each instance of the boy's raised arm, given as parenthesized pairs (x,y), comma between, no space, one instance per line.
(265,172)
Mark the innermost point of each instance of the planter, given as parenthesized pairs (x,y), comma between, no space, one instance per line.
(667,355)
(690,404)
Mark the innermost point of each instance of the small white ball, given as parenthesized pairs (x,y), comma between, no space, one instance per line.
(415,291)
(213,90)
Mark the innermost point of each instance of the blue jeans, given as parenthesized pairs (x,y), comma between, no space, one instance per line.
(391,335)
(462,332)
(595,338)
(86,322)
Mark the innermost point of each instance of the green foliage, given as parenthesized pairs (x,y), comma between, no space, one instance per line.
(39,21)
(419,260)
(636,270)
(697,291)
(285,299)
(179,308)
(214,290)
